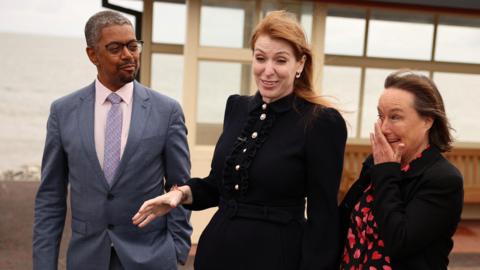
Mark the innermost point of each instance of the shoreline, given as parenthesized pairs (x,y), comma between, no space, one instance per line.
(30,173)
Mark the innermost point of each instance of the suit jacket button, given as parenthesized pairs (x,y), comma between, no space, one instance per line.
(110,196)
(110,226)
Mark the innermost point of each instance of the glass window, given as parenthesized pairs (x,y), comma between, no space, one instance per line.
(461,94)
(400,35)
(302,10)
(344,93)
(167,74)
(306,20)
(345,31)
(213,93)
(169,23)
(229,25)
(134,5)
(458,40)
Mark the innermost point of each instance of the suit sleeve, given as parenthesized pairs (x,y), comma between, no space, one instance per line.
(50,201)
(177,163)
(434,211)
(325,148)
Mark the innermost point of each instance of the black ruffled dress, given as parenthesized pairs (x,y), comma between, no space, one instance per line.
(268,161)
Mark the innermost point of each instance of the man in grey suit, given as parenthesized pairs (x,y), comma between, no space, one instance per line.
(115,144)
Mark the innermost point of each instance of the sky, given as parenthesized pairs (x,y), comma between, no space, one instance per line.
(51,17)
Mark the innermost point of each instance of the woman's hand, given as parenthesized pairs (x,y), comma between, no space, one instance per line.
(382,151)
(157,206)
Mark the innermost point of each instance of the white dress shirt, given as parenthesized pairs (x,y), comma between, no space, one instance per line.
(102,106)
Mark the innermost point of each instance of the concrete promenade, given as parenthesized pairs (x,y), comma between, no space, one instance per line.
(16,219)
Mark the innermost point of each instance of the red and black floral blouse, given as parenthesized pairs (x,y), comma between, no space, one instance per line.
(364,248)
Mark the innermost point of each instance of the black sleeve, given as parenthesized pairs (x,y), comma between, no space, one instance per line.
(410,226)
(325,148)
(205,190)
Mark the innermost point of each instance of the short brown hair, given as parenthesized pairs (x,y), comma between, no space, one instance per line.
(427,102)
(283,25)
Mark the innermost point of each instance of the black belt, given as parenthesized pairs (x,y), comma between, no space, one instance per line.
(276,214)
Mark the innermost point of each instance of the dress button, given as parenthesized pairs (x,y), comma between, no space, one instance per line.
(254,135)
(263,116)
(110,226)
(110,196)
(237,167)
(237,187)
(244,150)
(264,106)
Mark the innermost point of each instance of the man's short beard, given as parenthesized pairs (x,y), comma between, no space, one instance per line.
(127,79)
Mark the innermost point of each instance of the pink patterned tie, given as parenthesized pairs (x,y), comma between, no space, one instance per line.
(113,134)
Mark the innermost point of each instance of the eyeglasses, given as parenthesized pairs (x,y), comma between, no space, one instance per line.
(115,48)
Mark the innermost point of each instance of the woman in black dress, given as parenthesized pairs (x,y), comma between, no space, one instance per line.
(403,210)
(279,148)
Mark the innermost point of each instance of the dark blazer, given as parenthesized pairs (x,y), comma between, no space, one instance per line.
(417,211)
(156,151)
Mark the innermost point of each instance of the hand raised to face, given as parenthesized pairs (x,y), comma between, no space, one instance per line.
(382,151)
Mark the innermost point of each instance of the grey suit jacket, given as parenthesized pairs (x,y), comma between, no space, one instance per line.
(156,155)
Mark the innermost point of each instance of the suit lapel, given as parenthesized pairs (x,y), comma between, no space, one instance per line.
(139,118)
(86,122)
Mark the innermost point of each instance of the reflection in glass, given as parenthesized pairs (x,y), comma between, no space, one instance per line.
(458,40)
(167,74)
(228,25)
(169,22)
(345,31)
(217,81)
(460,94)
(400,35)
(343,93)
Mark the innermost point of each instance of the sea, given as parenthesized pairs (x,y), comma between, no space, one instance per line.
(35,71)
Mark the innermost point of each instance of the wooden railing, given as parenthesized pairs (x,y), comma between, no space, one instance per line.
(467,160)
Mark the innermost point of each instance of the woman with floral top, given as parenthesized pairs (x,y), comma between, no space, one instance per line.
(404,209)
